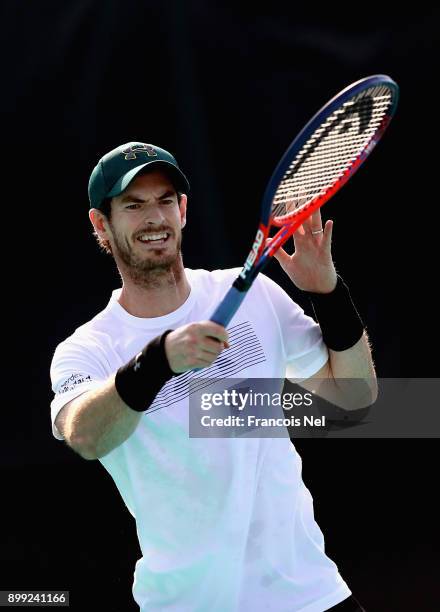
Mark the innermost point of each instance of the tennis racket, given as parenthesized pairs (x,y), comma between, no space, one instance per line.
(319,161)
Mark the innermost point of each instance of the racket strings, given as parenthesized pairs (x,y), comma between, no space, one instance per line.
(334,151)
(331,150)
(326,162)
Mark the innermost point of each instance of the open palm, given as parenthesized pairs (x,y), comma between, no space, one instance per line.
(311,266)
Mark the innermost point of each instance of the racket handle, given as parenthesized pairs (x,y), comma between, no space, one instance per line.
(228,306)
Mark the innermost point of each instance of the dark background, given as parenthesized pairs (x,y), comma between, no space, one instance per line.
(225,86)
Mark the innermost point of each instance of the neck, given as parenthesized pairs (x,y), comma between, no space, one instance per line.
(160,294)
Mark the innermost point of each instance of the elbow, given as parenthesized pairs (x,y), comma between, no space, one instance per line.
(88,455)
(89,449)
(374,391)
(356,393)
(83,447)
(369,396)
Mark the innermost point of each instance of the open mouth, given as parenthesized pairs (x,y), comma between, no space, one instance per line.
(156,239)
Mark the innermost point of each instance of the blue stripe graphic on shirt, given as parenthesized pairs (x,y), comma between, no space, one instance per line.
(245,351)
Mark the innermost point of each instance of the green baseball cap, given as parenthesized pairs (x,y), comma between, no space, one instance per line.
(116,169)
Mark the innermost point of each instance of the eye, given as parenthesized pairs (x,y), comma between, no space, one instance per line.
(132,206)
(167,202)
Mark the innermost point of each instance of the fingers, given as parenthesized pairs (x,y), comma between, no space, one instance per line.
(328,234)
(212,330)
(282,257)
(314,222)
(280,254)
(212,345)
(195,345)
(314,227)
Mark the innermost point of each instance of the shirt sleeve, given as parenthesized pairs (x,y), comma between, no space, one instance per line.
(74,370)
(301,336)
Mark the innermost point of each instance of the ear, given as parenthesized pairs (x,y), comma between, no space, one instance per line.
(99,222)
(182,207)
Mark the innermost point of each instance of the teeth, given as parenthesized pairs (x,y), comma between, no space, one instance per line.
(146,237)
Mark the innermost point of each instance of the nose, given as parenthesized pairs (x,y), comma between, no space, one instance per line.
(154,214)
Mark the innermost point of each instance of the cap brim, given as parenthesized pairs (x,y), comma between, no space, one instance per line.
(179,179)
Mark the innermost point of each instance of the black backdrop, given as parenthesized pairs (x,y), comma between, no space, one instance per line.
(224,86)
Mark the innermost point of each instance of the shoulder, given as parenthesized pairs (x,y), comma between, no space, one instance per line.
(271,289)
(282,303)
(86,340)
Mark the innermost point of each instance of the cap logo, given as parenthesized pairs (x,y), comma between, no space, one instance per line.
(130,152)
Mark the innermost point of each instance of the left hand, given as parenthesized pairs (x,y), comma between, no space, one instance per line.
(311,266)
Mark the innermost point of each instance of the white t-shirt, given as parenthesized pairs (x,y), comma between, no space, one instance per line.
(224,524)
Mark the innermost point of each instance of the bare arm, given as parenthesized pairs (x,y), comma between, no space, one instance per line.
(98,421)
(349,376)
(355,365)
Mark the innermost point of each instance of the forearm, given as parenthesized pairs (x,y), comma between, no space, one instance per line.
(349,376)
(355,364)
(348,379)
(99,421)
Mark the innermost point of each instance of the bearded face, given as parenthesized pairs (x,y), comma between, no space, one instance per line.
(149,253)
(144,229)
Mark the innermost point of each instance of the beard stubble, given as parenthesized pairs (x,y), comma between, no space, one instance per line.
(152,271)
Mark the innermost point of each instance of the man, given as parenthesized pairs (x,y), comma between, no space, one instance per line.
(224,524)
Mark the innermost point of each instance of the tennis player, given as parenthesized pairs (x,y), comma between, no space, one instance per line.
(224,524)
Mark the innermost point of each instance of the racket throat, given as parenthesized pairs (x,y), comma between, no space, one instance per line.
(245,278)
(242,284)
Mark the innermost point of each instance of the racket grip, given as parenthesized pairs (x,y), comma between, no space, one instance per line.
(228,306)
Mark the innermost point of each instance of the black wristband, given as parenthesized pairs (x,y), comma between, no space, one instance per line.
(340,323)
(140,380)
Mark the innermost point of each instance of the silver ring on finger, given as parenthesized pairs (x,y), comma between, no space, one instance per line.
(314,232)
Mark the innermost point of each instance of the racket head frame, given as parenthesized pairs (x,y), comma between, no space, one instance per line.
(260,254)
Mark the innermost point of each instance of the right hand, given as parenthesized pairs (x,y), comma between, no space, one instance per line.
(195,345)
